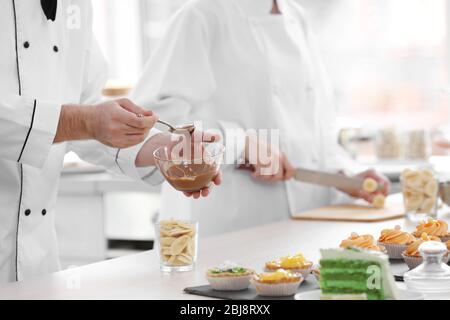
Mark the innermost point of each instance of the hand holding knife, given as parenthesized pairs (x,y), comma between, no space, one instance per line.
(336,180)
(368,185)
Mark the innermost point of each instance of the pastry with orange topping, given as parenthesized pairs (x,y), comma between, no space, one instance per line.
(295,263)
(395,241)
(433,227)
(412,255)
(365,241)
(280,283)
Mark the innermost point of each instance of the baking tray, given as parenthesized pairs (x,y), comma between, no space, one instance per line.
(398,268)
(250,294)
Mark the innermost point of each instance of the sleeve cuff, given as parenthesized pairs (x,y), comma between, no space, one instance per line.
(125,160)
(41,133)
(234,141)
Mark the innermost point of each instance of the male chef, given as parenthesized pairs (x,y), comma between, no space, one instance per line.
(51,76)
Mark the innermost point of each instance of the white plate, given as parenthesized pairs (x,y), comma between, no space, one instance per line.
(315,295)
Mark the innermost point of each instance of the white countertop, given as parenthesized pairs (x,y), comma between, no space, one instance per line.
(138,276)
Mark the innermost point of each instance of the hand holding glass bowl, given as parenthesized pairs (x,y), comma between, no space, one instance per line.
(192,164)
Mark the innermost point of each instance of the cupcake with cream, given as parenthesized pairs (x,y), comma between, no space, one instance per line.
(366,241)
(433,227)
(395,241)
(295,263)
(412,255)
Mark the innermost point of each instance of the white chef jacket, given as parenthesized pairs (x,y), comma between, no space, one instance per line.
(230,64)
(43,64)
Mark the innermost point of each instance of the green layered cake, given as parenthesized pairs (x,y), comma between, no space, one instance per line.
(356,273)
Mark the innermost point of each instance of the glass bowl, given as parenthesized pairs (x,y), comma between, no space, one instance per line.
(190,170)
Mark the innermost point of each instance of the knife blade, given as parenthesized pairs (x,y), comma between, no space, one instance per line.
(328,179)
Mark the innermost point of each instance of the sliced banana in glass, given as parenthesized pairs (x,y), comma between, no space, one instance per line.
(172,260)
(184,258)
(420,188)
(190,248)
(410,174)
(431,188)
(178,232)
(427,175)
(167,241)
(427,205)
(179,244)
(414,183)
(413,202)
(184,225)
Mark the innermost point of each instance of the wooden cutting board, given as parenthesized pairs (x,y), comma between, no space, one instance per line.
(354,212)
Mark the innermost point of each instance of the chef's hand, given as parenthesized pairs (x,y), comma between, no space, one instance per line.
(383,183)
(205,191)
(116,124)
(267,162)
(145,156)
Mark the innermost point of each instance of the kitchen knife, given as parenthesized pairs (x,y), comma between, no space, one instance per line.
(327,179)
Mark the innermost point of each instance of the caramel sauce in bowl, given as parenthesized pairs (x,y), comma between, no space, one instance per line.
(188,173)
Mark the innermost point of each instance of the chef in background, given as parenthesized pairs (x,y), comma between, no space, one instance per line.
(248,64)
(51,75)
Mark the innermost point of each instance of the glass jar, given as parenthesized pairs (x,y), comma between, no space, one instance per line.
(176,242)
(420,189)
(444,196)
(388,144)
(417,144)
(433,275)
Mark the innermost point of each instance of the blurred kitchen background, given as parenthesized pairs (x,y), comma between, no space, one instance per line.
(389,63)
